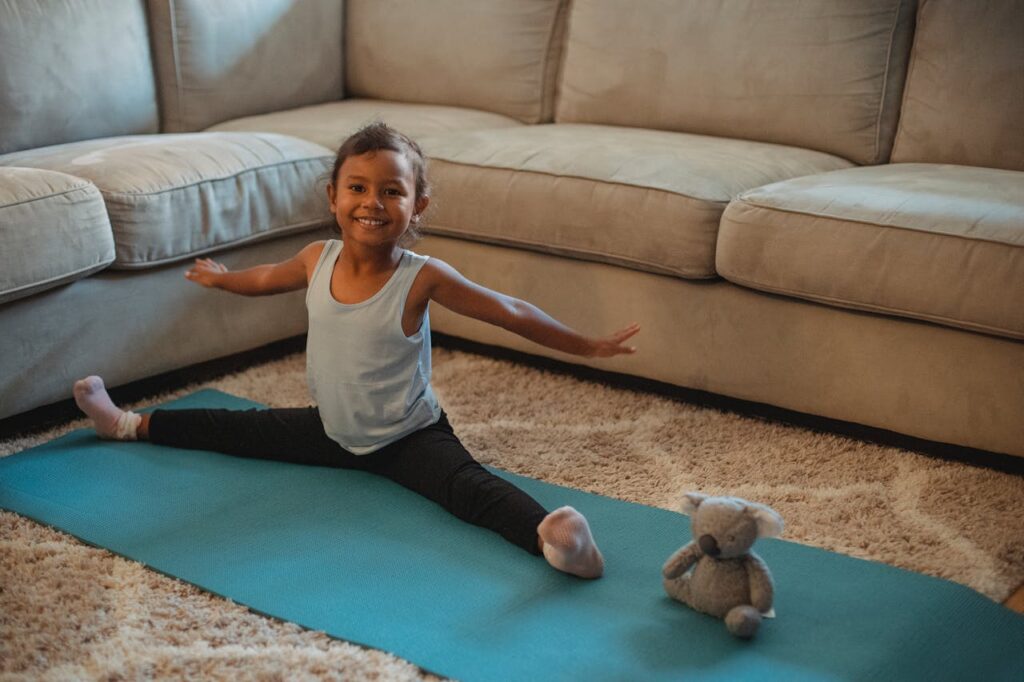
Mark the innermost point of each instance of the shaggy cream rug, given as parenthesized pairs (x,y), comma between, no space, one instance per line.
(70,611)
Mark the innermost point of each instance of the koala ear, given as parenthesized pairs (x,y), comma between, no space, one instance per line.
(769,523)
(691,501)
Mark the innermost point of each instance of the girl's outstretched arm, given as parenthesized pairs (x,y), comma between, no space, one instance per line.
(450,289)
(261,280)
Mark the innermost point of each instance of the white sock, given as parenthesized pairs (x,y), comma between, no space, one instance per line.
(568,544)
(108,419)
(128,426)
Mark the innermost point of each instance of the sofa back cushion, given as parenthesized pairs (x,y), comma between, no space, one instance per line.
(73,70)
(964,99)
(825,75)
(230,58)
(499,55)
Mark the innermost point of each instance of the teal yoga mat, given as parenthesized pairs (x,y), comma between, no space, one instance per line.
(367,561)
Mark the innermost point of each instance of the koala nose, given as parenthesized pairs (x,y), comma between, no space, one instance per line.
(708,545)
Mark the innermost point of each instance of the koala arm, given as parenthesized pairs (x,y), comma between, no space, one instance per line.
(681,561)
(762,588)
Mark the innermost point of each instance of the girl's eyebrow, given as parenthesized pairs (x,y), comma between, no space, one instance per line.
(396,180)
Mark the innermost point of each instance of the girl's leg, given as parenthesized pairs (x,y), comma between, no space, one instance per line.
(287,435)
(291,435)
(434,463)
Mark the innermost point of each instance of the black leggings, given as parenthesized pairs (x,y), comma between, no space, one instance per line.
(431,461)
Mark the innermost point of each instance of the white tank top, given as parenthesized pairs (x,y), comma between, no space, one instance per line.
(370,381)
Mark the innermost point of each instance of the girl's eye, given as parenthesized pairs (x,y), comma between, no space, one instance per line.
(356,188)
(393,192)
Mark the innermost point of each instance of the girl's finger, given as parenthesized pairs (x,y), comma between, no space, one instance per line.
(624,334)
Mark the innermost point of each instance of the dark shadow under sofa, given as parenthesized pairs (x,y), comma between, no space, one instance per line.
(815,206)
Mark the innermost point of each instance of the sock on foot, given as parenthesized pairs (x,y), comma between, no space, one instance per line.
(110,421)
(568,544)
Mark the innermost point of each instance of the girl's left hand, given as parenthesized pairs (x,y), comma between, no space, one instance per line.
(205,272)
(612,345)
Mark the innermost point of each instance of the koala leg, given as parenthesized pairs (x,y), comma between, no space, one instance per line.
(743,621)
(678,588)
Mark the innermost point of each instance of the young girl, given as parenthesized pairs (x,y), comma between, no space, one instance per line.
(368,360)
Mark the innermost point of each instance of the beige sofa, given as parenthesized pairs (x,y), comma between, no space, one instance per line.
(817,206)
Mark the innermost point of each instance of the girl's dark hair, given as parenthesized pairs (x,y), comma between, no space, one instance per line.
(377,136)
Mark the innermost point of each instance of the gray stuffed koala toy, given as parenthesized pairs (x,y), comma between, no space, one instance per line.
(728,580)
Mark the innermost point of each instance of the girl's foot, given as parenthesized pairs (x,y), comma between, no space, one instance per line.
(568,544)
(108,419)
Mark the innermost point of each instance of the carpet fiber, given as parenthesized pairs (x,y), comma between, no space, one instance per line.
(365,560)
(70,610)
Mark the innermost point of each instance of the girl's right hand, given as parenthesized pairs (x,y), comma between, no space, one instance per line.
(205,272)
(613,345)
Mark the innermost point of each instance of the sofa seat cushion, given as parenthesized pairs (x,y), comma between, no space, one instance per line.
(53,230)
(934,242)
(170,197)
(329,124)
(645,199)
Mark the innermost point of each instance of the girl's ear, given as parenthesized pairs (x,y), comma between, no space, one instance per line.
(421,204)
(330,195)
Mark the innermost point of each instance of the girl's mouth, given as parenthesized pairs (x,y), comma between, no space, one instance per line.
(371,222)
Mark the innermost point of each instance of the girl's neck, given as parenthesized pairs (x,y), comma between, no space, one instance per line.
(359,259)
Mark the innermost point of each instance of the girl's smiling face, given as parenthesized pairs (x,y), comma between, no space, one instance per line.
(373,197)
